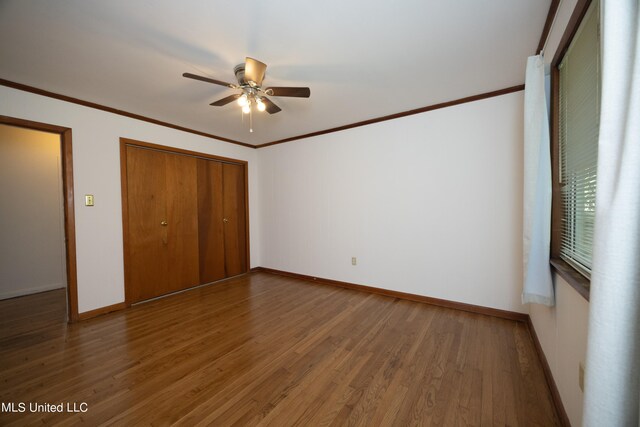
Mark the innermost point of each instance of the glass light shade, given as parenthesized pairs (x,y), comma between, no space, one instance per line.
(242,101)
(246,109)
(261,106)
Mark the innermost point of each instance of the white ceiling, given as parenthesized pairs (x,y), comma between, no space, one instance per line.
(362,59)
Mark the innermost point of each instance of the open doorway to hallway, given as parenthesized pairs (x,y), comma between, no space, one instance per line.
(35,213)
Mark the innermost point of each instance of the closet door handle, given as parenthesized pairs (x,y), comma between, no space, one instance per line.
(225,220)
(163,223)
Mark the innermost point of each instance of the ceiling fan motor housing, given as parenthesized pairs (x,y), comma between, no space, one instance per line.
(239,72)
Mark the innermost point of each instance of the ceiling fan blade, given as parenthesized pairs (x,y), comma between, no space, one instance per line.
(208,80)
(226,100)
(254,71)
(299,92)
(271,107)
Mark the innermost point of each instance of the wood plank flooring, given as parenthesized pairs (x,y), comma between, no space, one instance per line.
(263,349)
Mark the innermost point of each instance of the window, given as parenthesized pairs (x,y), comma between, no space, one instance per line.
(578,103)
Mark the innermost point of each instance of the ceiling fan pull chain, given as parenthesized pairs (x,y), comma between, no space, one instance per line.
(251,120)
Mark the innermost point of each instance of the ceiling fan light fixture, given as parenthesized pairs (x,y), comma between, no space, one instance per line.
(260,105)
(246,109)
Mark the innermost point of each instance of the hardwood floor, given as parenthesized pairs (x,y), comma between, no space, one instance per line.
(263,349)
(31,314)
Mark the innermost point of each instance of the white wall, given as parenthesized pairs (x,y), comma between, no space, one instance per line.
(96,168)
(430,204)
(32,257)
(562,330)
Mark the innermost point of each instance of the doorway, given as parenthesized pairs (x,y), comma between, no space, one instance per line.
(38,249)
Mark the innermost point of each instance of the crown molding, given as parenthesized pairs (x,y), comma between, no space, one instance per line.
(399,115)
(89,104)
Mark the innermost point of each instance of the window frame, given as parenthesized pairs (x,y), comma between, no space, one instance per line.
(579,282)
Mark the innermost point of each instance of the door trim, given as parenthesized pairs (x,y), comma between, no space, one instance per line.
(66,152)
(127,142)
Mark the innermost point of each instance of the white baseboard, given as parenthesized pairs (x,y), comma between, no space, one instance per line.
(28,291)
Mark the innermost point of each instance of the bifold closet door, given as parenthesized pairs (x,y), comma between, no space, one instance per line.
(222,220)
(234,219)
(146,199)
(210,215)
(162,223)
(182,222)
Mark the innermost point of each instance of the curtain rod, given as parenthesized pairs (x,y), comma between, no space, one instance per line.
(546,40)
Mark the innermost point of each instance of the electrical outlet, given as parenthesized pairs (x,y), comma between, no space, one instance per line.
(354,261)
(581,376)
(88,200)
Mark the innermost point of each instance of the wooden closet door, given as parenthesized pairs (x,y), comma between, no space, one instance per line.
(185,221)
(234,220)
(147,265)
(162,223)
(182,221)
(211,231)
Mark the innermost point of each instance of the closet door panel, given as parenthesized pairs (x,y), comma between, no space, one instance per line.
(182,222)
(185,220)
(210,214)
(234,211)
(146,198)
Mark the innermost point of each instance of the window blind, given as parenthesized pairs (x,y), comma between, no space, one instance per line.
(578,127)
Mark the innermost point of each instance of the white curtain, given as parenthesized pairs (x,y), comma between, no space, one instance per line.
(538,287)
(612,393)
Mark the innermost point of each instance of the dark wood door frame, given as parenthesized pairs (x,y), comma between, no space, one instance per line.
(124,142)
(66,153)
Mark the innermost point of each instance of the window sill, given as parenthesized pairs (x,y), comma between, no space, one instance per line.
(576,280)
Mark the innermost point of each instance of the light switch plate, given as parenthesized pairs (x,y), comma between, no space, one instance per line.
(88,200)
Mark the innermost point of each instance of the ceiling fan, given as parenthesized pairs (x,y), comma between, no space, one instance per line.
(250,76)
